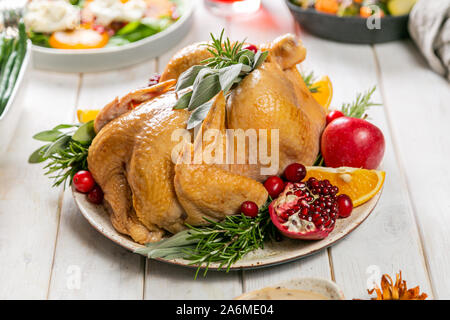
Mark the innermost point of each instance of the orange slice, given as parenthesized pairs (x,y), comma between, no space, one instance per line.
(324,92)
(87,115)
(360,185)
(78,39)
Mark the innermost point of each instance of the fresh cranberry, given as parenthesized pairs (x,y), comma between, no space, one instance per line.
(249,208)
(345,205)
(251,47)
(83,181)
(332,115)
(274,186)
(295,172)
(95,195)
(154,80)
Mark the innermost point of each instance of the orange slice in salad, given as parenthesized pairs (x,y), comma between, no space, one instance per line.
(324,93)
(78,39)
(360,185)
(327,6)
(87,115)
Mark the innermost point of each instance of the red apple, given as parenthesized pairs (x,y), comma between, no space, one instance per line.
(352,142)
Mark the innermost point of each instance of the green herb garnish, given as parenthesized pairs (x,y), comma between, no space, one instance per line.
(309,80)
(67,151)
(223,242)
(358,108)
(227,67)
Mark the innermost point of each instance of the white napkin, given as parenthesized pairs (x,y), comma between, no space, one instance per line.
(429,27)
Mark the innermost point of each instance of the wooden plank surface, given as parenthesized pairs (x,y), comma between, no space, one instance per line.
(84,259)
(417,105)
(388,240)
(29,207)
(270,22)
(165,281)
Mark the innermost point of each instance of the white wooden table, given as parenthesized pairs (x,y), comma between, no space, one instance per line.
(49,251)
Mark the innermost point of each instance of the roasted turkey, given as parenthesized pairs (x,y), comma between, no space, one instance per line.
(149,191)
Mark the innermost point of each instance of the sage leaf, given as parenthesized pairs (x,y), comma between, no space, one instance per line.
(37,156)
(247,57)
(48,135)
(65,126)
(183,101)
(199,114)
(206,89)
(245,69)
(228,76)
(260,57)
(187,78)
(85,134)
(56,146)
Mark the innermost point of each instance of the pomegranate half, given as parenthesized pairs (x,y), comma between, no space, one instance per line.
(306,210)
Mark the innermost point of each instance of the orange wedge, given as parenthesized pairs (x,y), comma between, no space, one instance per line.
(324,93)
(360,185)
(87,115)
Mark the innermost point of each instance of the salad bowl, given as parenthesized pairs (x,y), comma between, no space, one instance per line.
(102,59)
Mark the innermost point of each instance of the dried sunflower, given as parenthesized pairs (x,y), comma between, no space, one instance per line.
(397,291)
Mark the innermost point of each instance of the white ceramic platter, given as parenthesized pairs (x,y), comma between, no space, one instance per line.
(274,252)
(93,60)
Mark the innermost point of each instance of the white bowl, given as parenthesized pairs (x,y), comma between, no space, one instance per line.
(14,107)
(323,287)
(93,60)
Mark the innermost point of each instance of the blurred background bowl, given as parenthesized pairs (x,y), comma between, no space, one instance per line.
(94,60)
(349,29)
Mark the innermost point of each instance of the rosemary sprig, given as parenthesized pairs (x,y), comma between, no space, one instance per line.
(358,108)
(310,79)
(229,64)
(67,151)
(224,53)
(224,242)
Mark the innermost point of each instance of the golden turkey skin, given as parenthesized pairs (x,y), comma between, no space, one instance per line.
(147,193)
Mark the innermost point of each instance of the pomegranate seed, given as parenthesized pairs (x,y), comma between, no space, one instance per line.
(274,186)
(333,115)
(295,172)
(249,209)
(345,206)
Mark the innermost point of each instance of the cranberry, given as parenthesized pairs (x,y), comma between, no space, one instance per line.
(345,205)
(274,186)
(83,181)
(249,208)
(95,195)
(332,115)
(251,47)
(154,80)
(295,172)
